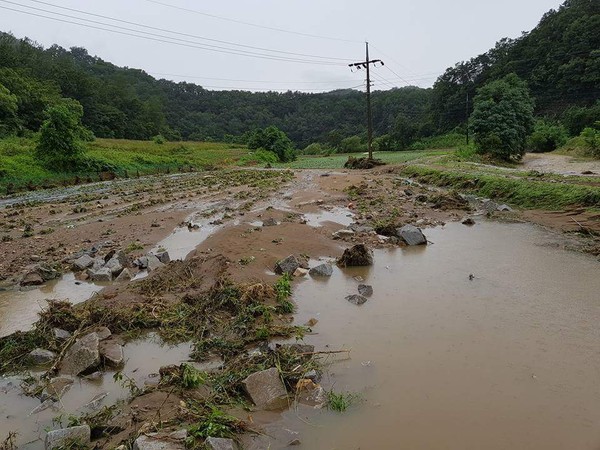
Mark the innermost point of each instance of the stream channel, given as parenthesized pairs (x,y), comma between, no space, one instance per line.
(508,359)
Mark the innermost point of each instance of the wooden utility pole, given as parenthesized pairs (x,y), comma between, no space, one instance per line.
(467,117)
(366,64)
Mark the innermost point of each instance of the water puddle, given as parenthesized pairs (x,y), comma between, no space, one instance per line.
(341,216)
(144,357)
(184,240)
(506,360)
(19,309)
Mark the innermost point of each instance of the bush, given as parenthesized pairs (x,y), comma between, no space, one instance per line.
(313,149)
(352,144)
(273,140)
(546,137)
(159,139)
(260,156)
(577,118)
(591,140)
(384,143)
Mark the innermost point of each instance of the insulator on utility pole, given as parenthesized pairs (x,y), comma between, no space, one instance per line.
(367,65)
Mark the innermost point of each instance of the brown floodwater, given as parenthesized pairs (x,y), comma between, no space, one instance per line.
(509,359)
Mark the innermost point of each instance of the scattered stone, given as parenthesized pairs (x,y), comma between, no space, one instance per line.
(588,172)
(82,356)
(56,388)
(141,262)
(300,272)
(102,333)
(322,270)
(411,235)
(468,221)
(356,299)
(102,275)
(83,262)
(421,198)
(114,266)
(287,265)
(112,353)
(504,208)
(40,356)
(47,272)
(359,255)
(35,258)
(98,264)
(32,279)
(154,442)
(489,206)
(153,263)
(122,257)
(163,257)
(313,375)
(65,437)
(299,348)
(266,389)
(213,443)
(48,403)
(124,276)
(61,335)
(270,222)
(361,228)
(94,403)
(294,443)
(365,290)
(311,322)
(343,233)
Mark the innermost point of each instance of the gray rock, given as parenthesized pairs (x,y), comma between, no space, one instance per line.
(299,348)
(61,335)
(67,436)
(266,389)
(313,375)
(47,272)
(155,442)
(361,228)
(342,233)
(102,274)
(56,388)
(102,333)
(112,353)
(124,276)
(163,257)
(83,355)
(300,272)
(287,265)
(468,221)
(122,257)
(115,266)
(356,299)
(411,235)
(489,206)
(213,443)
(83,262)
(356,256)
(41,356)
(270,222)
(365,290)
(504,208)
(98,264)
(322,270)
(32,279)
(141,262)
(153,263)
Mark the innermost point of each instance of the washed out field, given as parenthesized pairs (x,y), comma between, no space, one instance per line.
(321,307)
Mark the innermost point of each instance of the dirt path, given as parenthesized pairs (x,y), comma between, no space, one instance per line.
(560,164)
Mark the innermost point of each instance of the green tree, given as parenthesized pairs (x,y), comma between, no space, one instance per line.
(546,137)
(8,111)
(273,140)
(60,147)
(502,118)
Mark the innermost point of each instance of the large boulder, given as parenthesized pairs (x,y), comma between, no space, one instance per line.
(411,235)
(213,443)
(163,257)
(112,353)
(124,276)
(47,272)
(39,356)
(82,356)
(32,279)
(287,265)
(115,266)
(153,263)
(68,437)
(103,274)
(266,389)
(359,255)
(322,270)
(155,442)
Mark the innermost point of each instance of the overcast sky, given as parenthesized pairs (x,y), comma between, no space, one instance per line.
(416,39)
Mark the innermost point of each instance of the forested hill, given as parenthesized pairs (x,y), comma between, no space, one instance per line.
(560,60)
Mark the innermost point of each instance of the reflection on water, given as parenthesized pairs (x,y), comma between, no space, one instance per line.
(336,215)
(19,309)
(507,360)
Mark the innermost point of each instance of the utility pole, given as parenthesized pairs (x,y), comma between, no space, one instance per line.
(467,116)
(366,64)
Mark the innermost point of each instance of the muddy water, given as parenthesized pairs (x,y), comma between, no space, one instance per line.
(19,309)
(509,359)
(143,359)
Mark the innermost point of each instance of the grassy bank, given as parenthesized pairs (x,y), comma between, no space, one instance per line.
(19,167)
(522,192)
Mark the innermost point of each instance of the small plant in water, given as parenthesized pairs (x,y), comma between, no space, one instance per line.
(341,401)
(283,289)
(191,377)
(127,383)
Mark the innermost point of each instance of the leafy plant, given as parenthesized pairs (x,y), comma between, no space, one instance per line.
(341,401)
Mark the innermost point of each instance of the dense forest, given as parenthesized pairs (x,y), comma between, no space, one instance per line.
(559,59)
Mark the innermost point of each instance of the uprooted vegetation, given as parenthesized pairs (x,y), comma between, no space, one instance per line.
(187,301)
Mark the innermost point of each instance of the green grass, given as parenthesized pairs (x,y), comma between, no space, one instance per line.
(337,161)
(526,193)
(19,167)
(341,401)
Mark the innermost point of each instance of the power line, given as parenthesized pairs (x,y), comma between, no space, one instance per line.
(167,39)
(241,22)
(170,31)
(249,81)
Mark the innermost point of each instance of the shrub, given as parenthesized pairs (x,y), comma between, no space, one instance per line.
(313,149)
(591,140)
(546,137)
(159,139)
(273,140)
(260,156)
(352,144)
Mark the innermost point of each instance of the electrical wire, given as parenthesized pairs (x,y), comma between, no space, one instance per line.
(249,81)
(169,40)
(171,31)
(281,30)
